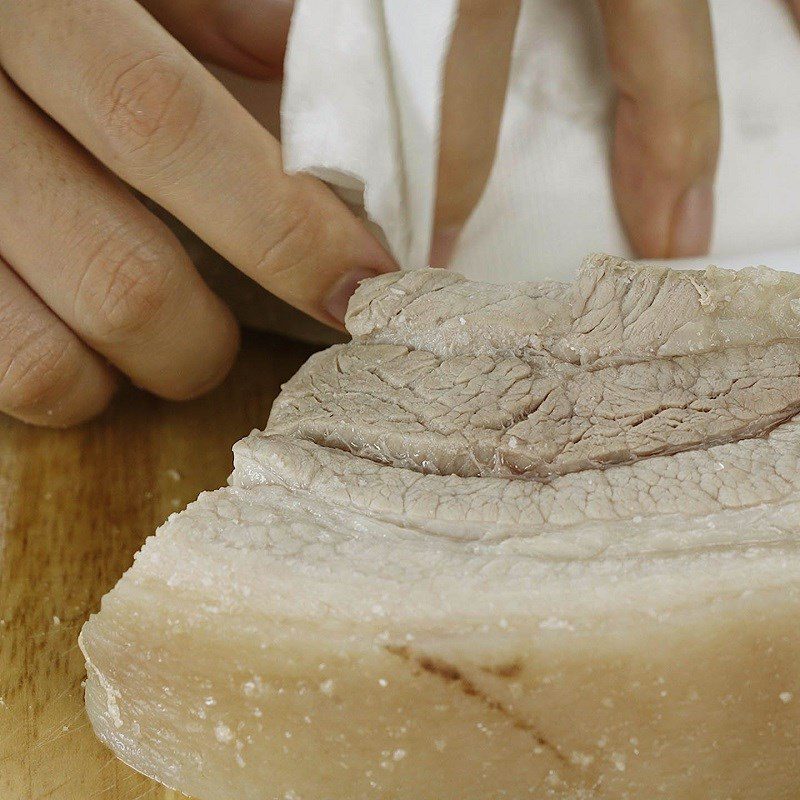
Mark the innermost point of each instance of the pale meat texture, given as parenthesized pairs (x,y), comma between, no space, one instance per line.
(530,541)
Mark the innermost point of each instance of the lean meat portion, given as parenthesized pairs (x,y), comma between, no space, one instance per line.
(533,541)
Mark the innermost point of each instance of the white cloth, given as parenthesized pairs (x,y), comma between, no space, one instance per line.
(360,107)
(361,110)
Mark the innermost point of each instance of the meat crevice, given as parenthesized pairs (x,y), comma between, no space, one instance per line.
(625,364)
(511,541)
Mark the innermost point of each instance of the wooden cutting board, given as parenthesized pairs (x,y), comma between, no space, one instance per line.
(74,507)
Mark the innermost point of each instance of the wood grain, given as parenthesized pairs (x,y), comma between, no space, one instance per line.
(74,507)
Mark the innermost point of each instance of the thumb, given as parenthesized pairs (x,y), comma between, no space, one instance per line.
(247,36)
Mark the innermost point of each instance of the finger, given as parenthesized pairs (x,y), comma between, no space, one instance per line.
(475,81)
(104,264)
(158,119)
(248,36)
(47,376)
(666,137)
(794,5)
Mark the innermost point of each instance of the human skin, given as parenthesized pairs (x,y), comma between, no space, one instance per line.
(98,96)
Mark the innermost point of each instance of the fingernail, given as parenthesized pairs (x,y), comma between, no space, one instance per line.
(259,28)
(692,223)
(341,291)
(442,245)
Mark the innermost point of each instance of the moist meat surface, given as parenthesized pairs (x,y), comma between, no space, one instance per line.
(451,377)
(534,541)
(615,311)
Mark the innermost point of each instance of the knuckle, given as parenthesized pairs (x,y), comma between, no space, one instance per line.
(40,371)
(147,110)
(124,289)
(294,235)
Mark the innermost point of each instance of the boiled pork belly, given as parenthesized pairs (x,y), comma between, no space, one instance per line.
(525,541)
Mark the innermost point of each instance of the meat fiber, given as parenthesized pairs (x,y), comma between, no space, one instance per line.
(531,541)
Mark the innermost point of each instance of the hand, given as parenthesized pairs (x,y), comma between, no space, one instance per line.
(97,97)
(666,130)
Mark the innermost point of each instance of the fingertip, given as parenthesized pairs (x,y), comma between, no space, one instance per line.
(369,249)
(207,359)
(641,197)
(367,258)
(89,398)
(86,397)
(443,244)
(224,358)
(338,298)
(319,261)
(663,169)
(667,130)
(692,223)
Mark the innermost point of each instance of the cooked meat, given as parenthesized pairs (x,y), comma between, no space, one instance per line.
(507,417)
(614,312)
(628,362)
(536,541)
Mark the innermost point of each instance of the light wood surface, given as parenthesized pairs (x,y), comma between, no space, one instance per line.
(74,507)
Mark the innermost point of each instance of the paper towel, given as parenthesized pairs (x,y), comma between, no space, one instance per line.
(361,106)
